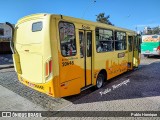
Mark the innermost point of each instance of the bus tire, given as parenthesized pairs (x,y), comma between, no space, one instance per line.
(146,56)
(100,80)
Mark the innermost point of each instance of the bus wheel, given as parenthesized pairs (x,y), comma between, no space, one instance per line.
(146,56)
(100,80)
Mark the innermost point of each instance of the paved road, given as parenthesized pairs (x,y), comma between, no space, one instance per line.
(10,101)
(133,91)
(136,91)
(6,59)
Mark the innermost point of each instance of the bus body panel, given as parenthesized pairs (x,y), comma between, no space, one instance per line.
(72,68)
(150,48)
(69,70)
(149,45)
(70,76)
(31,65)
(32,54)
(29,47)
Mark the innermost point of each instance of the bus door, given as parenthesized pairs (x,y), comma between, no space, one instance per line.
(136,58)
(85,40)
(130,52)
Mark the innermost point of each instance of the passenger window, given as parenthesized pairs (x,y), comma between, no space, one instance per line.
(120,41)
(104,40)
(81,42)
(135,43)
(67,39)
(89,44)
(130,43)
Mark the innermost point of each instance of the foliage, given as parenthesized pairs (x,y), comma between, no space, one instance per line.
(155,30)
(103,19)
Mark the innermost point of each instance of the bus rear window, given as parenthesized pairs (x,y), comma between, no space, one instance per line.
(155,36)
(37,26)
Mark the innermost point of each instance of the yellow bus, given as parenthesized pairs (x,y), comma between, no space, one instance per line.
(62,56)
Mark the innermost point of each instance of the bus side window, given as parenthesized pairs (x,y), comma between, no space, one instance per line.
(135,43)
(89,44)
(130,43)
(104,40)
(81,42)
(67,39)
(120,41)
(139,43)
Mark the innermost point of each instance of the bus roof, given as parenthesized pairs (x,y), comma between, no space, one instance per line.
(97,24)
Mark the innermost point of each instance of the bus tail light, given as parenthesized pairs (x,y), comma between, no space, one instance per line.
(48,67)
(158,48)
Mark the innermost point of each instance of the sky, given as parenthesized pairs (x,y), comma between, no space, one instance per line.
(130,14)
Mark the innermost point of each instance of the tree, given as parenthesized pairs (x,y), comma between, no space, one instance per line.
(151,31)
(156,30)
(103,19)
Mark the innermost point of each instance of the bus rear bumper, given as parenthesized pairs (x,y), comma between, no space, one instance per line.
(151,53)
(46,88)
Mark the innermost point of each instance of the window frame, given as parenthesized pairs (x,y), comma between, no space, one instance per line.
(130,45)
(60,37)
(90,50)
(107,40)
(136,44)
(115,39)
(80,43)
